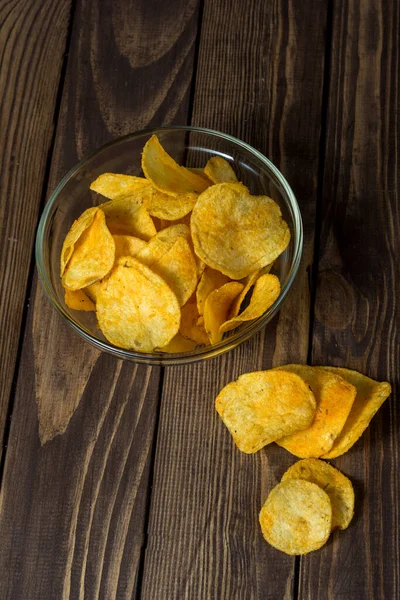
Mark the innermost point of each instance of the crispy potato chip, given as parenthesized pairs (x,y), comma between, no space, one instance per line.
(218,170)
(178,344)
(266,291)
(338,487)
(93,255)
(200,172)
(210,281)
(217,306)
(165,206)
(165,174)
(370,397)
(77,228)
(237,233)
(296,517)
(129,216)
(128,245)
(334,397)
(248,283)
(92,290)
(135,307)
(261,407)
(78,300)
(113,185)
(189,328)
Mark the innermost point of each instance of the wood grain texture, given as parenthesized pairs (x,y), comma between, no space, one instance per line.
(75,487)
(259,78)
(357,301)
(32,44)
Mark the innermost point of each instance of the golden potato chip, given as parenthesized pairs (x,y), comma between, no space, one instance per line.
(296,517)
(266,291)
(217,306)
(178,344)
(200,172)
(78,300)
(210,281)
(93,255)
(338,487)
(169,207)
(237,233)
(248,283)
(219,170)
(261,407)
(129,216)
(334,397)
(77,228)
(165,174)
(135,308)
(189,328)
(370,397)
(114,185)
(128,245)
(92,290)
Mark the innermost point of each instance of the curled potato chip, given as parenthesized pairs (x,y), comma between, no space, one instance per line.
(261,407)
(220,171)
(338,487)
(217,306)
(210,281)
(370,397)
(200,172)
(248,283)
(136,309)
(92,290)
(128,245)
(129,216)
(190,328)
(114,185)
(334,397)
(296,517)
(165,206)
(266,291)
(93,255)
(178,344)
(237,233)
(165,174)
(73,235)
(78,300)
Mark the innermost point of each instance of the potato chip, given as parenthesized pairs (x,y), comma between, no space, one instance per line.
(189,328)
(165,174)
(218,170)
(370,397)
(261,407)
(266,291)
(210,281)
(178,344)
(129,216)
(333,482)
(136,309)
(296,517)
(217,306)
(113,185)
(92,290)
(128,245)
(93,255)
(248,283)
(334,397)
(237,233)
(78,300)
(200,172)
(169,207)
(73,235)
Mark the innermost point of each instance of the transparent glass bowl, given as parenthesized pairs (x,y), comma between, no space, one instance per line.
(191,146)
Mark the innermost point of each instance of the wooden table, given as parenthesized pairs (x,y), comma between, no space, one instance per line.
(120,481)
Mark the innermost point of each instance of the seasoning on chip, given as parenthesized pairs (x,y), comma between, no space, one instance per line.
(296,517)
(114,185)
(128,215)
(262,407)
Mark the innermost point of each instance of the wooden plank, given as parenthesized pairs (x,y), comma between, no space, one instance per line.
(32,44)
(258,78)
(73,502)
(357,301)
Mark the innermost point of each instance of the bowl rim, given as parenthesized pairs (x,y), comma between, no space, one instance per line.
(160,358)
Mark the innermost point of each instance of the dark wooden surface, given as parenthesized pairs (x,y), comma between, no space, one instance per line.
(119,481)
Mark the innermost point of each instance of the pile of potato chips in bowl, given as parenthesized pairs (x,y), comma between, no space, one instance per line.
(170,246)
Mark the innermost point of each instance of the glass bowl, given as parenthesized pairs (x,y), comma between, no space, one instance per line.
(191,146)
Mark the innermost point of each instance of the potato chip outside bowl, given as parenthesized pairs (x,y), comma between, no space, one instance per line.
(189,146)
